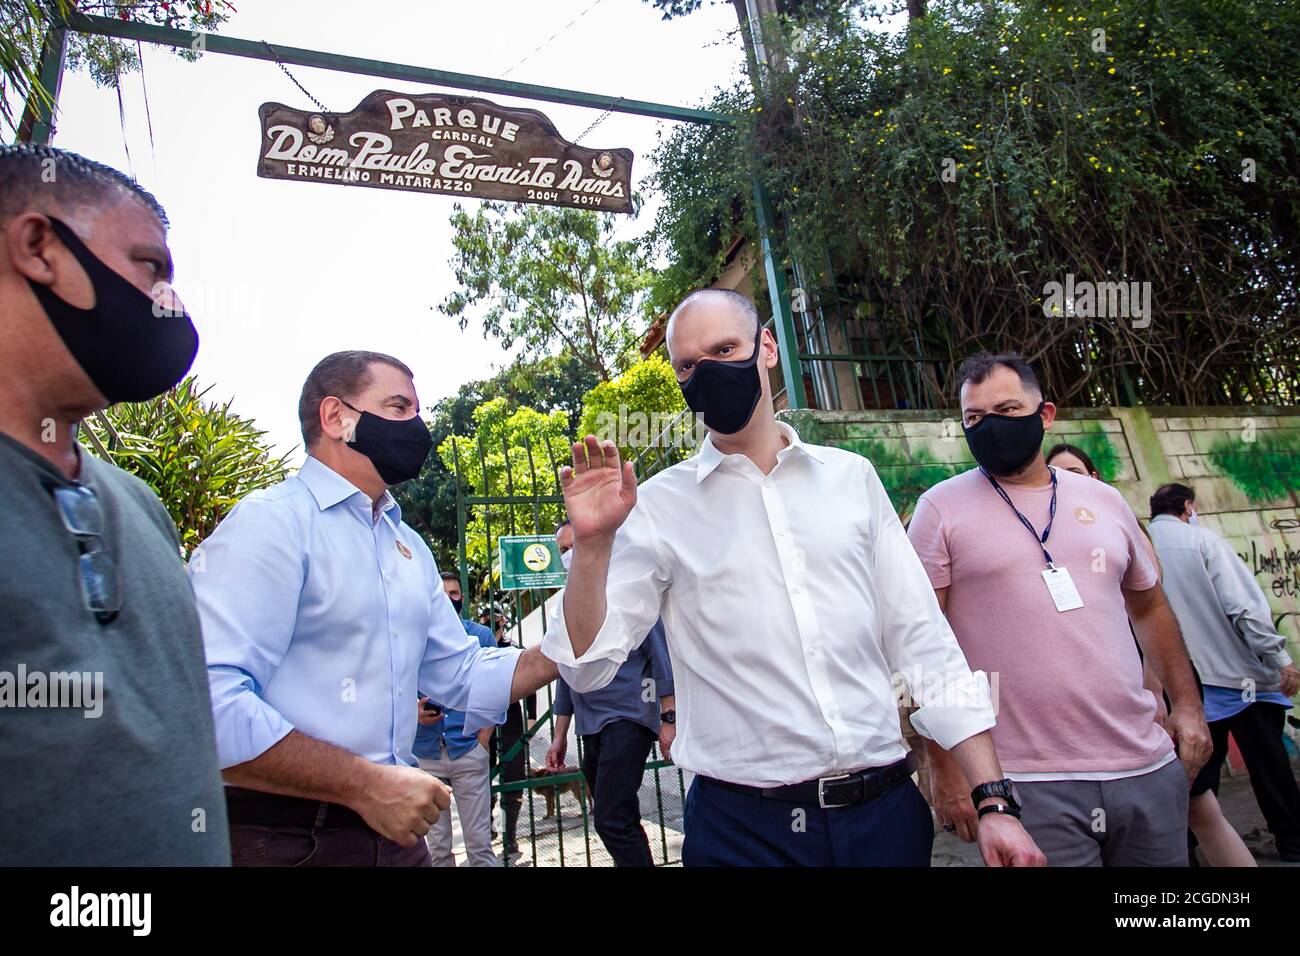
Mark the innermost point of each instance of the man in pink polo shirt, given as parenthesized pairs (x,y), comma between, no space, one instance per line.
(1040,572)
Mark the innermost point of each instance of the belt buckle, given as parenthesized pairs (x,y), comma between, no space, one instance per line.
(821,791)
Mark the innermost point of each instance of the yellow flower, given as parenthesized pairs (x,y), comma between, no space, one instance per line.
(1111,70)
(947,70)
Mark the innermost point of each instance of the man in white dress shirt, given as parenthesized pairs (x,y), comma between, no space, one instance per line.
(793,602)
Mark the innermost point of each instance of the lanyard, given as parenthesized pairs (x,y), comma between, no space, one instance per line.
(1051,515)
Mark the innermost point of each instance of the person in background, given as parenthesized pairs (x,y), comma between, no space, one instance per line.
(518,720)
(618,725)
(91,578)
(1014,540)
(459,760)
(1072,458)
(1208,827)
(1242,660)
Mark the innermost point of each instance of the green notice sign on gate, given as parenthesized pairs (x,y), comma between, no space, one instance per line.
(530,561)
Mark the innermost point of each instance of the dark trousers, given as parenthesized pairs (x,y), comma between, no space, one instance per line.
(513,771)
(270,830)
(727,828)
(1258,732)
(613,761)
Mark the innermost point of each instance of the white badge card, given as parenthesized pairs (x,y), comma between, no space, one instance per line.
(1062,589)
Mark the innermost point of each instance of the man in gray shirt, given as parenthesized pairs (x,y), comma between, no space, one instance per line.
(107,750)
(1247,675)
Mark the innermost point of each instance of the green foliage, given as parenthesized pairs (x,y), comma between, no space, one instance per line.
(1122,164)
(556,383)
(199,457)
(25,23)
(548,277)
(511,453)
(1267,469)
(637,408)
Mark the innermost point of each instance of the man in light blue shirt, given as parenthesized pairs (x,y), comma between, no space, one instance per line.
(323,620)
(460,760)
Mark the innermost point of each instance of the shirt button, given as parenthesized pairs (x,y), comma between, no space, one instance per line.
(796,589)
(781,533)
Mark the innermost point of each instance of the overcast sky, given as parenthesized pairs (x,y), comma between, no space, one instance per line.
(278,274)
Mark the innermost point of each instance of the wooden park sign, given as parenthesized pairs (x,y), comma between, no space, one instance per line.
(436,143)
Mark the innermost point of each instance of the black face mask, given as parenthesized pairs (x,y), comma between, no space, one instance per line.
(457,603)
(1003,444)
(725,394)
(126,348)
(396,448)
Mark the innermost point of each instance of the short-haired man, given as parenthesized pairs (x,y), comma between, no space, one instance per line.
(790,598)
(106,752)
(1248,676)
(1039,571)
(618,725)
(459,760)
(324,620)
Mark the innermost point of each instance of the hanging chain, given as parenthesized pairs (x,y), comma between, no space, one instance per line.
(599,119)
(280,63)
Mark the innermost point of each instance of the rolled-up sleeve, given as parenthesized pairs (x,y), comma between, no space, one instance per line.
(563,706)
(246,579)
(953,703)
(463,675)
(633,596)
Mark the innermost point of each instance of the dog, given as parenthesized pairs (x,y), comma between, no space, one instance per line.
(553,792)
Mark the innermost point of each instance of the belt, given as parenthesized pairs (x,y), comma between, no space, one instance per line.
(837,790)
(258,808)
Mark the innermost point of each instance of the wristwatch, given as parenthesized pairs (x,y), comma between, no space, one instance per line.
(669,716)
(1003,789)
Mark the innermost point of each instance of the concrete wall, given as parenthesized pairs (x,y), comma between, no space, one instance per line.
(1243,463)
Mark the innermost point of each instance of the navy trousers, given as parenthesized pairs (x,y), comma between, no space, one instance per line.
(727,828)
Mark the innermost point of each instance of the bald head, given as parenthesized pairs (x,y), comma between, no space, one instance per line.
(716,300)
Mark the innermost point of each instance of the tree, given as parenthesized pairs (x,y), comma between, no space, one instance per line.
(556,383)
(199,457)
(548,278)
(642,412)
(510,453)
(25,30)
(941,178)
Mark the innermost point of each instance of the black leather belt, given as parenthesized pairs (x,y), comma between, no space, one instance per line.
(838,790)
(258,808)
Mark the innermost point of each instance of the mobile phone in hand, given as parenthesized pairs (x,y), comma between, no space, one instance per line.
(431,708)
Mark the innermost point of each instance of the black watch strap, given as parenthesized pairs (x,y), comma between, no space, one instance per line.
(669,716)
(999,808)
(1002,789)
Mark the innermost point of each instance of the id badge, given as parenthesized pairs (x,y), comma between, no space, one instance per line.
(1062,589)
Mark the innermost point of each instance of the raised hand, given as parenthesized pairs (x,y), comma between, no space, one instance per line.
(599,489)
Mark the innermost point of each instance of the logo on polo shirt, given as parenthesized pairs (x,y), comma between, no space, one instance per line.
(1084,516)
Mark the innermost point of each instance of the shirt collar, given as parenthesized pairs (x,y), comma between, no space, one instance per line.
(709,457)
(329,488)
(1170,517)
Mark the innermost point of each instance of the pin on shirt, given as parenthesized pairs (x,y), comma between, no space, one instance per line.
(403,550)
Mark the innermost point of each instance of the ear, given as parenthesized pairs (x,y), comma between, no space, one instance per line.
(28,239)
(1049,415)
(771,351)
(337,420)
